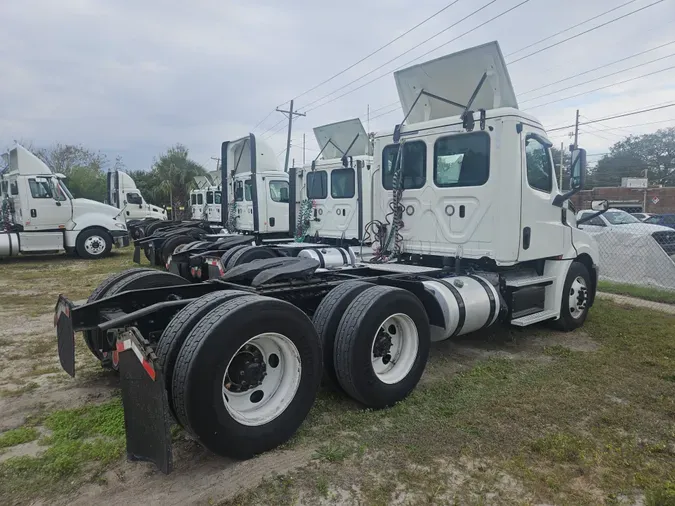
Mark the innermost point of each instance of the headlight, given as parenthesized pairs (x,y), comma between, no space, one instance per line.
(123,226)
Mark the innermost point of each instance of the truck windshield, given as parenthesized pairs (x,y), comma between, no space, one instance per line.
(620,218)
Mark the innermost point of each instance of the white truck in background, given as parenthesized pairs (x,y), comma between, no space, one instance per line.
(125,195)
(39,214)
(206,199)
(334,193)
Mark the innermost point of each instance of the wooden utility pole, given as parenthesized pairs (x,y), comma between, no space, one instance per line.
(576,131)
(562,153)
(290,113)
(217,162)
(303,150)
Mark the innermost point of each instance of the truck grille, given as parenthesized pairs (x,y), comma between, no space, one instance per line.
(666,240)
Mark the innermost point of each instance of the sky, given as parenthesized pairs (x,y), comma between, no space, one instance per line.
(132,78)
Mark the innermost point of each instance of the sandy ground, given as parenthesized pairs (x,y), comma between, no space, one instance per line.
(199,477)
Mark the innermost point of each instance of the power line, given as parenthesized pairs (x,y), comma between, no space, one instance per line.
(585,32)
(601,88)
(263,120)
(598,78)
(633,126)
(596,135)
(598,68)
(414,59)
(379,49)
(655,108)
(570,28)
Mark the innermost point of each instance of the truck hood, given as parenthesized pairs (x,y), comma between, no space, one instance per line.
(641,228)
(86,205)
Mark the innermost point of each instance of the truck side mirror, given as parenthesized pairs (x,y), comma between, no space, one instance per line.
(578,177)
(599,205)
(578,171)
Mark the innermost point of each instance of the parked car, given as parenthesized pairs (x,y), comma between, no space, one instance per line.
(643,216)
(665,220)
(620,221)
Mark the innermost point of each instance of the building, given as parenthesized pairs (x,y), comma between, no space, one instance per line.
(632,200)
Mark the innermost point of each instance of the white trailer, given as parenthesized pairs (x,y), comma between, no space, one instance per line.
(39,215)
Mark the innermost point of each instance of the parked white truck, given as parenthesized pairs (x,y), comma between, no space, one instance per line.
(125,195)
(39,215)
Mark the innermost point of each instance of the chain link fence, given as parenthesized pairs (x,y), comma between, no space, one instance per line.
(637,258)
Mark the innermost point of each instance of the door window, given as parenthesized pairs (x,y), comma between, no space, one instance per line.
(414,164)
(248,190)
(539,167)
(14,188)
(342,183)
(200,199)
(40,189)
(218,197)
(279,191)
(462,160)
(134,198)
(317,184)
(209,197)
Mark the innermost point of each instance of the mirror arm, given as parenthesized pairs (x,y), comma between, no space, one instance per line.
(591,216)
(560,199)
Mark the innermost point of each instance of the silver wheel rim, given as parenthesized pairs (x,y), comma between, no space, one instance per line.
(261,379)
(578,297)
(394,348)
(94,245)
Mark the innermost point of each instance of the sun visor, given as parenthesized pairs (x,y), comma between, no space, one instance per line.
(337,137)
(455,77)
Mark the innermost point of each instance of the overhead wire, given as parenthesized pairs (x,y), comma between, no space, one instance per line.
(394,59)
(586,31)
(337,74)
(414,59)
(616,116)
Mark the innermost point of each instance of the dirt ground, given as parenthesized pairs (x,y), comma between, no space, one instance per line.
(507,416)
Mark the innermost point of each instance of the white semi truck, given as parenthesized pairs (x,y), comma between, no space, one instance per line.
(39,215)
(474,231)
(206,198)
(125,195)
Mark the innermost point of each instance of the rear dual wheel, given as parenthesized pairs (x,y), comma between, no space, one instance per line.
(246,374)
(381,345)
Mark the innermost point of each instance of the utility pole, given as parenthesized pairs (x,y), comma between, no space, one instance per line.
(576,131)
(290,113)
(562,153)
(303,150)
(217,162)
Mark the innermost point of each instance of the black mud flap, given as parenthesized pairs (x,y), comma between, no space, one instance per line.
(152,255)
(137,253)
(146,410)
(63,321)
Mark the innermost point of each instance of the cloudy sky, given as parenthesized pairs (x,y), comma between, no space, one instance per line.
(133,77)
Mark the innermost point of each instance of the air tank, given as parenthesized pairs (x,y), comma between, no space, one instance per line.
(9,244)
(328,257)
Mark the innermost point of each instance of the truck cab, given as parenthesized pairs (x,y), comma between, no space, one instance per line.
(333,193)
(124,195)
(257,197)
(41,215)
(206,199)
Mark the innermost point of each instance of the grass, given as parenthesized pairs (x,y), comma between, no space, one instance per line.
(18,392)
(18,436)
(82,442)
(641,292)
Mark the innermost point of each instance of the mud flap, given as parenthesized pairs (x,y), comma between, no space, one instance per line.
(137,253)
(147,420)
(63,321)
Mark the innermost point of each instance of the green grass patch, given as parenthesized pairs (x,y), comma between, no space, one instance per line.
(18,436)
(641,292)
(82,443)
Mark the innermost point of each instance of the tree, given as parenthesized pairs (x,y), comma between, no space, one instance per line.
(174,174)
(63,157)
(565,167)
(654,152)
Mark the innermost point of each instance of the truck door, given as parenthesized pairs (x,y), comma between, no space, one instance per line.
(208,208)
(542,233)
(48,208)
(243,196)
(317,191)
(276,205)
(216,216)
(342,203)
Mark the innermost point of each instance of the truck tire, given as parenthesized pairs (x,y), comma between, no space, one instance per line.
(381,346)
(171,244)
(327,318)
(151,228)
(150,278)
(245,255)
(93,243)
(574,304)
(228,254)
(179,327)
(100,292)
(244,338)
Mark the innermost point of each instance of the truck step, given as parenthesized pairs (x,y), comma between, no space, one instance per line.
(529,281)
(534,318)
